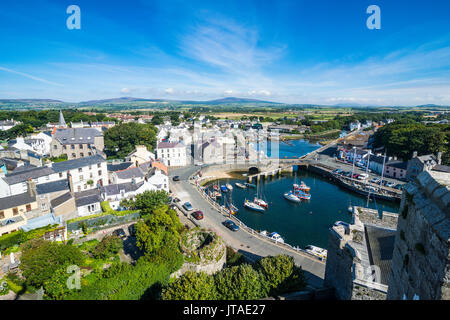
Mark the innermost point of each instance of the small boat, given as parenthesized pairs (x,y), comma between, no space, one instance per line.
(240,185)
(302,186)
(216,187)
(217,194)
(253,206)
(350,209)
(316,251)
(302,195)
(250,185)
(275,236)
(292,197)
(224,188)
(260,202)
(233,209)
(229,187)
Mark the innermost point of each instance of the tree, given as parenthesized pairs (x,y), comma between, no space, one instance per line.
(191,286)
(109,246)
(121,139)
(158,229)
(147,201)
(240,283)
(281,274)
(41,260)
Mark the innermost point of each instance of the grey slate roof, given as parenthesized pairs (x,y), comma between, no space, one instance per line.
(77,135)
(61,199)
(114,189)
(165,144)
(17,200)
(397,164)
(53,186)
(77,163)
(441,168)
(119,166)
(84,201)
(381,247)
(24,175)
(130,173)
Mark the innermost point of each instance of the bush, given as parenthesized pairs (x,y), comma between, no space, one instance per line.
(142,281)
(240,283)
(109,246)
(281,274)
(191,286)
(41,259)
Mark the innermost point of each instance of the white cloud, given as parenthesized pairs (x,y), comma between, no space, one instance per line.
(125,90)
(169,91)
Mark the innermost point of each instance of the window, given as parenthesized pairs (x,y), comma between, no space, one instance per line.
(79,188)
(81,146)
(15,211)
(60,174)
(64,147)
(2,214)
(28,206)
(90,153)
(74,155)
(99,172)
(72,147)
(99,165)
(55,147)
(81,177)
(82,154)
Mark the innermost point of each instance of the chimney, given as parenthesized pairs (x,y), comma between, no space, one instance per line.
(414,154)
(439,157)
(31,186)
(69,178)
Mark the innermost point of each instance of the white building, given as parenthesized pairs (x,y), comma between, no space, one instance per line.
(172,154)
(8,124)
(141,155)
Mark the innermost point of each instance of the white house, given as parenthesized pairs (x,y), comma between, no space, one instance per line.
(141,155)
(172,154)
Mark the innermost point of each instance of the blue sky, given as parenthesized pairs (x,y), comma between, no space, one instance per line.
(318,52)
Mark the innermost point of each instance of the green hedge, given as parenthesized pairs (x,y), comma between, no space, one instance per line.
(16,238)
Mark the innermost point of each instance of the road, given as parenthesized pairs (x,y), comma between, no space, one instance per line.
(249,245)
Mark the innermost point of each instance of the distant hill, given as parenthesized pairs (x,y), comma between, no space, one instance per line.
(28,101)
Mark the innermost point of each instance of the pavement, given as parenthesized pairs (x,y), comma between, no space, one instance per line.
(251,247)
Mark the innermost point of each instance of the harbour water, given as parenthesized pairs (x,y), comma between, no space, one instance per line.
(307,222)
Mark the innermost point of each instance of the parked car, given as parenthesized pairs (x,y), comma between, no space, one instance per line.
(389,184)
(132,229)
(347,173)
(355,176)
(175,200)
(399,186)
(363,176)
(231,225)
(119,233)
(198,215)
(176,178)
(375,180)
(188,206)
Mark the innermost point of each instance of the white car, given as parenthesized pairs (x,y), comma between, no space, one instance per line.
(363,176)
(199,164)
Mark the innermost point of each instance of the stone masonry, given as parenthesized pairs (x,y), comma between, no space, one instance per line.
(420,264)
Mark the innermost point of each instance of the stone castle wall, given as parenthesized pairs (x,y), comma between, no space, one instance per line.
(420,265)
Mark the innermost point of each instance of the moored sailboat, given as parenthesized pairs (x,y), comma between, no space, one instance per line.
(253,206)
